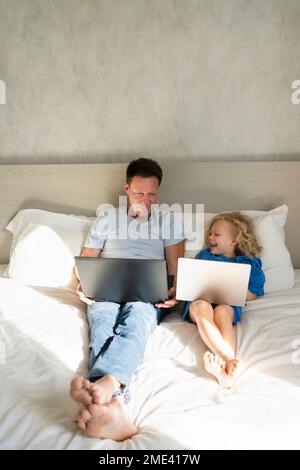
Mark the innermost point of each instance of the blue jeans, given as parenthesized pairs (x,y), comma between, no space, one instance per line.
(118,337)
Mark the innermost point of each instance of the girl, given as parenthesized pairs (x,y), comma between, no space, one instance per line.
(230,238)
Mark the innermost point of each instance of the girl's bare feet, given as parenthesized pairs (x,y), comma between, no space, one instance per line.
(233,366)
(216,366)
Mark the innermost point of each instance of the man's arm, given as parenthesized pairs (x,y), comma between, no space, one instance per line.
(173,252)
(89,252)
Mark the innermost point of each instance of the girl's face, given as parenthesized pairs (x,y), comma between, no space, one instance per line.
(221,240)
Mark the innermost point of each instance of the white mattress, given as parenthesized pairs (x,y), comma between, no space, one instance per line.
(175,404)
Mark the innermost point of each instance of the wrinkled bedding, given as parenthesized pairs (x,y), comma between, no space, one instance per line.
(175,403)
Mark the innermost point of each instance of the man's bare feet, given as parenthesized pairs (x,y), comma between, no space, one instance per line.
(103,389)
(80,390)
(99,392)
(216,366)
(108,421)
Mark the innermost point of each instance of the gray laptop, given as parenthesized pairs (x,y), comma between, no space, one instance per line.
(123,279)
(228,282)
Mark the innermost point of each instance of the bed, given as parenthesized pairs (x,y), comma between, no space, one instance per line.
(175,403)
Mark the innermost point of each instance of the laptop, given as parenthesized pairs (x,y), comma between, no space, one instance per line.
(123,279)
(217,280)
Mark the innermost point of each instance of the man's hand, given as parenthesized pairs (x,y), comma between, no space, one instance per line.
(82,297)
(171,301)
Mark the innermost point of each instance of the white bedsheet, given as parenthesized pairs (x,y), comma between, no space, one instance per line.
(176,405)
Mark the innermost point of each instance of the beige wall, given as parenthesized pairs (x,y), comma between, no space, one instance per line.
(106,80)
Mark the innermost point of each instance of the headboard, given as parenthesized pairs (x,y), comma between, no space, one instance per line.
(80,188)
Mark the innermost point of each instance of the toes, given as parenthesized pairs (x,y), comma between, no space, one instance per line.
(96,397)
(231,366)
(83,415)
(208,356)
(218,359)
(97,410)
(212,358)
(87,384)
(76,383)
(218,362)
(94,388)
(82,418)
(81,424)
(86,415)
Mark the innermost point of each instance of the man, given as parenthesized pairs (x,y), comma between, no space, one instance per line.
(119,332)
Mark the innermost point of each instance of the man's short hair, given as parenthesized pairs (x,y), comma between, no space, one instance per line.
(144,167)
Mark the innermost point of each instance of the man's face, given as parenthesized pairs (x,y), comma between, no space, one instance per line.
(141,193)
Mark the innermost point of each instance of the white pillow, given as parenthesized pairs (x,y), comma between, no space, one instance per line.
(74,228)
(41,258)
(279,216)
(276,259)
(66,235)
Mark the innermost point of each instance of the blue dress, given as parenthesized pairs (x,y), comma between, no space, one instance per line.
(256,281)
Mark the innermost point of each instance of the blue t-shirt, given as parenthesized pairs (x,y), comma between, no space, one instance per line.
(256,281)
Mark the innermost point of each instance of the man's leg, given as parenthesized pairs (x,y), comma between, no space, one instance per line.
(135,323)
(102,318)
(109,420)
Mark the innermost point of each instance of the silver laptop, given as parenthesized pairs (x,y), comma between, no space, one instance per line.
(123,279)
(225,282)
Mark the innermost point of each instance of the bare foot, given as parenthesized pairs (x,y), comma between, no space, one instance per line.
(215,365)
(103,390)
(108,421)
(233,366)
(80,390)
(99,392)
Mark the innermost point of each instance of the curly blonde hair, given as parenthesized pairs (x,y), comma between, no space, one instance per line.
(243,231)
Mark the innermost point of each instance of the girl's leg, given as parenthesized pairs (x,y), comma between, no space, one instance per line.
(208,322)
(202,313)
(223,316)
